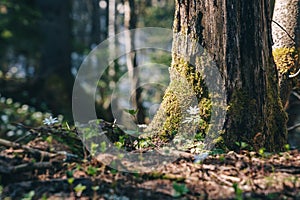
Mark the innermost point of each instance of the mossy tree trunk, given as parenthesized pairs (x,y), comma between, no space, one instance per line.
(286,38)
(237,34)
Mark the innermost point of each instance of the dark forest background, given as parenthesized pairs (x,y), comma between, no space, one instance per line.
(43,43)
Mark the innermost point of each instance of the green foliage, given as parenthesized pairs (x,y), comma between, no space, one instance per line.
(159,16)
(17,119)
(29,195)
(238,192)
(287,147)
(180,189)
(19,25)
(242,145)
(217,151)
(95,188)
(131,112)
(92,170)
(94,149)
(79,189)
(71,180)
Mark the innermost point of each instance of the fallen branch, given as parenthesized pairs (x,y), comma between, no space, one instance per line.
(61,155)
(25,167)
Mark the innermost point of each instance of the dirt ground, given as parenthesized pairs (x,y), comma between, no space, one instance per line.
(33,170)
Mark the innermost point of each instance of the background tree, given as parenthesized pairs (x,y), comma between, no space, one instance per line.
(238,36)
(286,38)
(55,81)
(130,22)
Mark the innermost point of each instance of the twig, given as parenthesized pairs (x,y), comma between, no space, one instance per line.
(284,30)
(25,167)
(294,75)
(39,153)
(296,95)
(293,127)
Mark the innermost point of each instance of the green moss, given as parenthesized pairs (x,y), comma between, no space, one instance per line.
(276,135)
(186,89)
(243,124)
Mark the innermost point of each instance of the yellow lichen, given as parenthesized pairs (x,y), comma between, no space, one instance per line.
(286,59)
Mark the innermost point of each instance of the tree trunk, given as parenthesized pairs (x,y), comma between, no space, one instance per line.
(286,38)
(237,34)
(133,72)
(55,83)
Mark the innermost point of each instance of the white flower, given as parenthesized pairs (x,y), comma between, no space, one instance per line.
(142,125)
(195,119)
(200,157)
(193,110)
(50,120)
(188,120)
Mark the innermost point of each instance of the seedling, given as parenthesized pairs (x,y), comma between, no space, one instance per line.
(29,195)
(238,192)
(79,189)
(180,189)
(92,171)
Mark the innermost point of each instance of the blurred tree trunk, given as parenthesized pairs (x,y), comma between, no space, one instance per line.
(112,42)
(133,72)
(237,33)
(95,33)
(286,38)
(55,83)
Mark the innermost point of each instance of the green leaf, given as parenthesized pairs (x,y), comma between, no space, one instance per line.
(131,112)
(238,192)
(180,189)
(79,188)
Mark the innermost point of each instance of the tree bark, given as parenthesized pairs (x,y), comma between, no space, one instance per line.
(237,34)
(286,38)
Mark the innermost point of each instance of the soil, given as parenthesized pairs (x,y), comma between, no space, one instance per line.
(43,169)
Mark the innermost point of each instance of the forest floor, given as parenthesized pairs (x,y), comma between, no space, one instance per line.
(33,170)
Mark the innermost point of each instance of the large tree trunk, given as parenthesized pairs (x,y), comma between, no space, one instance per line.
(237,34)
(286,38)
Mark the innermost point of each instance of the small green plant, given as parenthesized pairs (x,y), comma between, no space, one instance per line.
(180,189)
(238,192)
(216,151)
(287,147)
(261,152)
(95,189)
(70,180)
(132,113)
(142,143)
(44,197)
(92,171)
(79,189)
(29,195)
(242,145)
(103,147)
(94,147)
